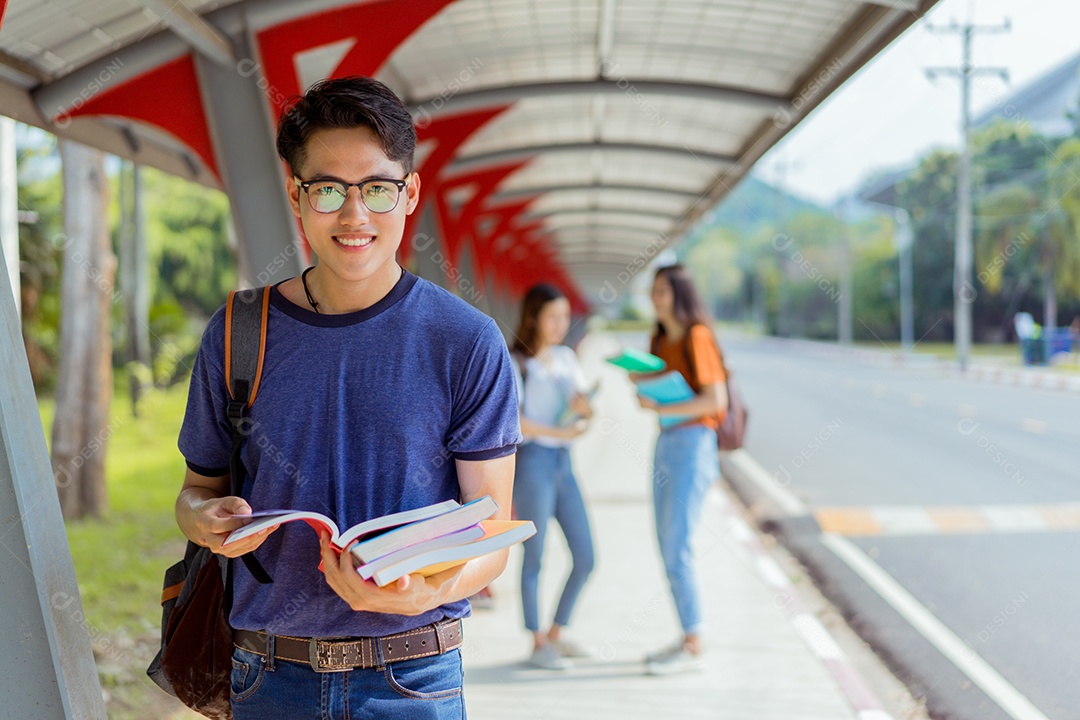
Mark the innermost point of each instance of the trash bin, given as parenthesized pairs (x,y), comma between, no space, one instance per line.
(1057,341)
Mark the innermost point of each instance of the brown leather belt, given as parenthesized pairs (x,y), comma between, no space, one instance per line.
(343,654)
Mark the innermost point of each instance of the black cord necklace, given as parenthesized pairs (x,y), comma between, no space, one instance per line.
(311,300)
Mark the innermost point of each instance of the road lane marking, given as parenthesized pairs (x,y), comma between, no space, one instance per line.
(904,521)
(959,520)
(1061,517)
(1038,427)
(1014,518)
(847,521)
(948,520)
(1011,700)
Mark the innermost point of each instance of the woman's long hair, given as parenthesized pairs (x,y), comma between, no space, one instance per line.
(689,310)
(535,299)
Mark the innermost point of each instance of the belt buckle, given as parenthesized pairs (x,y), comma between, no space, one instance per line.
(321,657)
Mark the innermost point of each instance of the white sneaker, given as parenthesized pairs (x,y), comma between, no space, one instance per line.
(673,649)
(680,661)
(547,657)
(570,648)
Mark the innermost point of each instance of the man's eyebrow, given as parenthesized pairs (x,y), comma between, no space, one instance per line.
(324,177)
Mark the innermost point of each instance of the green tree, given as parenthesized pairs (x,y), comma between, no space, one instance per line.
(1024,227)
(929,195)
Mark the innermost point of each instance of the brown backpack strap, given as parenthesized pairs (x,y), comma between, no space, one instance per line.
(246,313)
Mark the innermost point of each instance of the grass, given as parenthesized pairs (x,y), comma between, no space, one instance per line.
(120,558)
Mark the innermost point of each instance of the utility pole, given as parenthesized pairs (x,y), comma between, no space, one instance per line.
(963,290)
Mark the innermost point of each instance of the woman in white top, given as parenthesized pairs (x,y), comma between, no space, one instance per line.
(554,411)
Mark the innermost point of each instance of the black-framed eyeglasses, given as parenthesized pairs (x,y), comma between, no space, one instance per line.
(379,195)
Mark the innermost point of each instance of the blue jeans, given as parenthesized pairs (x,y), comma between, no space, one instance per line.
(544,487)
(685,466)
(424,689)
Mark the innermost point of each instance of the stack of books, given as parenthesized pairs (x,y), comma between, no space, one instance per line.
(425,540)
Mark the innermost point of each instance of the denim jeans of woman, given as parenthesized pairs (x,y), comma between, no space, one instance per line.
(425,689)
(685,466)
(545,488)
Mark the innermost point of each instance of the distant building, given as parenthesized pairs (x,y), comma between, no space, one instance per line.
(1045,103)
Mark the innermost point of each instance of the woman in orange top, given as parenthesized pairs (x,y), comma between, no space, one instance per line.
(685,463)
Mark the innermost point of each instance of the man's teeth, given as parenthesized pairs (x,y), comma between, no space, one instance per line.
(355,242)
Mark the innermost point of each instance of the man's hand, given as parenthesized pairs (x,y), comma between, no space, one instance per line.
(409,595)
(215,518)
(647,403)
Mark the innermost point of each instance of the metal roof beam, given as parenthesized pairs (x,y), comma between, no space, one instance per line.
(480,161)
(613,253)
(192,29)
(437,106)
(62,94)
(522,193)
(589,230)
(909,5)
(656,214)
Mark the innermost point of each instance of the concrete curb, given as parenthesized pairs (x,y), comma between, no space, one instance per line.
(805,623)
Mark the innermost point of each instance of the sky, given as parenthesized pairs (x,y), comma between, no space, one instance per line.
(890,114)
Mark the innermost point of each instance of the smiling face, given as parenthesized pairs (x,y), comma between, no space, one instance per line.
(354,244)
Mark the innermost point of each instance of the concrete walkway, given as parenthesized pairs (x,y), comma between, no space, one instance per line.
(766,658)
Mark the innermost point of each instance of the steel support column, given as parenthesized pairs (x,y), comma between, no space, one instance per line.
(49,672)
(9,208)
(243,134)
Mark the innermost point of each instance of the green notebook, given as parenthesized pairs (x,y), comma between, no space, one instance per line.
(637,361)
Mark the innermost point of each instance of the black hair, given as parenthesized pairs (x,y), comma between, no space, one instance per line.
(689,310)
(343,103)
(535,299)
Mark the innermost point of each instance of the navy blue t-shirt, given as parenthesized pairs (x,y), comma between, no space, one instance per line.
(357,416)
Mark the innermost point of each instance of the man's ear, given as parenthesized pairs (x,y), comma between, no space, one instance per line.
(413,190)
(292,187)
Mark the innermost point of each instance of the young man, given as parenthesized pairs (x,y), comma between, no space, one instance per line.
(380,392)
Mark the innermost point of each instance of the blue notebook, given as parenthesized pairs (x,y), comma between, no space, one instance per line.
(671,387)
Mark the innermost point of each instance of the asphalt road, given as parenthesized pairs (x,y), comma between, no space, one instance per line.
(966,495)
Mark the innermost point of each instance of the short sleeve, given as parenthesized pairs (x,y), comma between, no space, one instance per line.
(206,435)
(484,420)
(705,357)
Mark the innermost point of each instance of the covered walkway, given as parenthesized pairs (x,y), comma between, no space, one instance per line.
(562,141)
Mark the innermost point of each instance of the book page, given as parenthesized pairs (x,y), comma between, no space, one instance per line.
(268,518)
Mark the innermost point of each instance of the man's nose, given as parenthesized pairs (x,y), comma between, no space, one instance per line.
(353,211)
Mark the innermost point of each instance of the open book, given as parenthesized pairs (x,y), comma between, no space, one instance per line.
(495,535)
(671,387)
(268,518)
(404,536)
(637,361)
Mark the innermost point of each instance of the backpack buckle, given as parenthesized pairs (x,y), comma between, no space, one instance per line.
(235,411)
